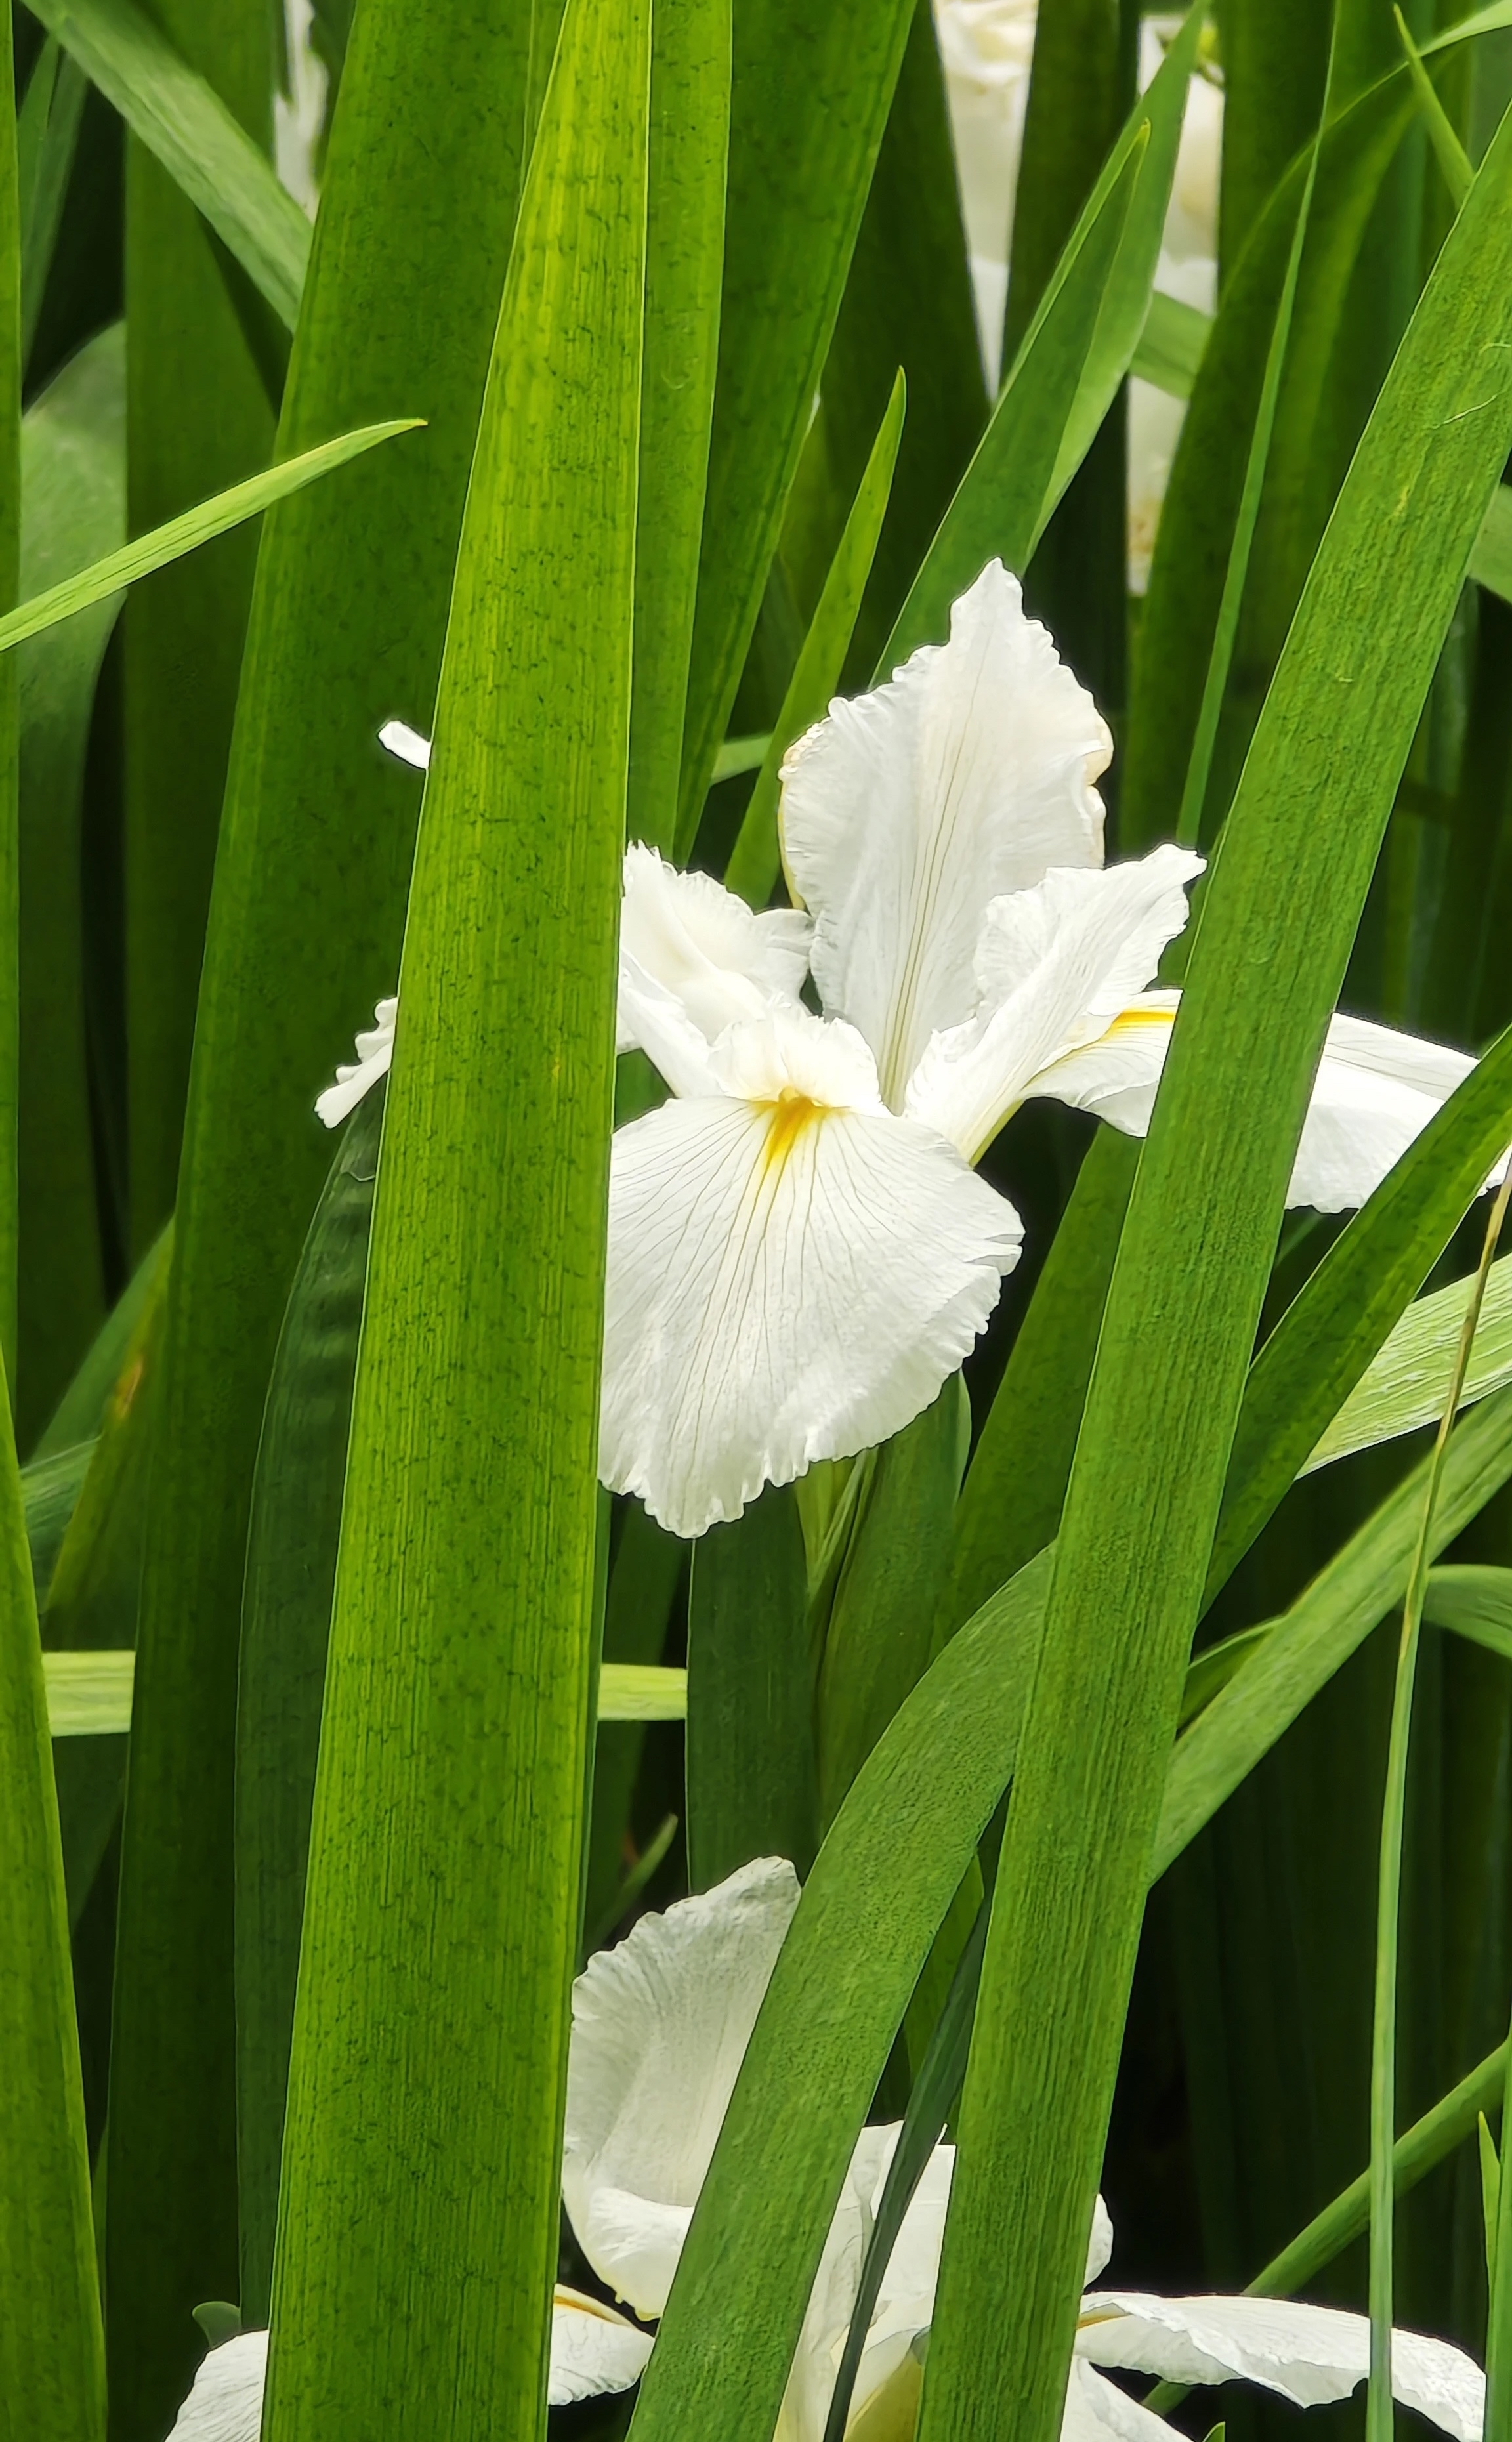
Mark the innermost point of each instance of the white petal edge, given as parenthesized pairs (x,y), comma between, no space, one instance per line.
(684,938)
(1374,1092)
(1055,965)
(224,2404)
(906,810)
(792,1274)
(1308,2353)
(1100,2243)
(660,2027)
(406,744)
(374,1051)
(1097,2411)
(592,2349)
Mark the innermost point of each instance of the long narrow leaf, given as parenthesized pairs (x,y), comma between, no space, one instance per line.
(179,117)
(1275,930)
(445,1859)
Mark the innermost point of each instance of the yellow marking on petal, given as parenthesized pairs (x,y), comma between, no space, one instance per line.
(562,2296)
(1129,1020)
(1102,2315)
(792,1113)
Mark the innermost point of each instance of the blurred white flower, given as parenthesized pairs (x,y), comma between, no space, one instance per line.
(799,1250)
(298,112)
(1188,270)
(987,47)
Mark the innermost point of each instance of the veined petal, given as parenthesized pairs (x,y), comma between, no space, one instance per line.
(1097,2411)
(374,1051)
(224,2404)
(1054,966)
(1309,2354)
(793,1273)
(906,810)
(697,940)
(406,744)
(1376,1090)
(660,2027)
(593,2350)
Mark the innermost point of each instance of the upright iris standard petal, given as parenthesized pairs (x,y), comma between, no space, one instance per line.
(793,1273)
(374,1054)
(971,774)
(1054,967)
(694,960)
(660,2027)
(1376,1090)
(1308,2353)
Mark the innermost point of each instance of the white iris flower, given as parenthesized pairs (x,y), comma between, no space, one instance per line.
(660,2028)
(800,1253)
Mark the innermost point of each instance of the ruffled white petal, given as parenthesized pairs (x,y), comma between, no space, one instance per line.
(685,936)
(1376,1090)
(1308,2353)
(592,2349)
(224,2404)
(374,1051)
(908,810)
(1097,2411)
(660,2027)
(1055,965)
(793,1273)
(406,744)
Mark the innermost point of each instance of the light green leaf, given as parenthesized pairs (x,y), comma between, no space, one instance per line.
(1491,560)
(179,117)
(1406,1385)
(1170,344)
(88,1694)
(1452,160)
(642,1691)
(183,534)
(453,1743)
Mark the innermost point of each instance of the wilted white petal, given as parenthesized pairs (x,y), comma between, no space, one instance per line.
(374,1051)
(684,938)
(226,2402)
(793,1273)
(1055,965)
(1376,1090)
(660,2027)
(405,744)
(1097,2411)
(906,810)
(1309,2354)
(592,2349)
